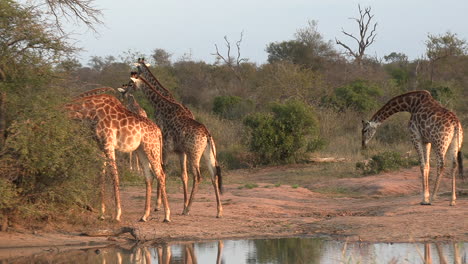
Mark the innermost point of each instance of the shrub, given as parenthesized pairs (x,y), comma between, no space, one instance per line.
(232,107)
(55,161)
(386,161)
(283,134)
(359,95)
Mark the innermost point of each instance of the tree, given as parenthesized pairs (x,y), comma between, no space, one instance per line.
(80,10)
(308,48)
(439,47)
(394,57)
(27,42)
(161,57)
(232,62)
(367,34)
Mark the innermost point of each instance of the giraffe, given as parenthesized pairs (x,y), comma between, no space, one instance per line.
(129,102)
(430,125)
(191,141)
(117,128)
(145,72)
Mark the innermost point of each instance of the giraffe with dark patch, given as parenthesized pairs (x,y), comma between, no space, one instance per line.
(191,140)
(430,125)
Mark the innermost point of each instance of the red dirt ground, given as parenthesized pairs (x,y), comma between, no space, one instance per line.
(385,209)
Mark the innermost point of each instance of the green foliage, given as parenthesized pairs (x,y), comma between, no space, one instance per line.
(28,44)
(308,49)
(446,45)
(442,92)
(57,160)
(394,130)
(358,95)
(232,107)
(283,80)
(282,135)
(8,199)
(386,161)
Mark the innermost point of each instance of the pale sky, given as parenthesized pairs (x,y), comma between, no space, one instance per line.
(194,26)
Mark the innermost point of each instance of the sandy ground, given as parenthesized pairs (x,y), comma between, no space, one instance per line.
(385,209)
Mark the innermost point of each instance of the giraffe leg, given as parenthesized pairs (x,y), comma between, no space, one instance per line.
(158,197)
(102,180)
(423,150)
(130,160)
(196,182)
(453,171)
(184,178)
(149,184)
(151,159)
(115,176)
(211,165)
(440,173)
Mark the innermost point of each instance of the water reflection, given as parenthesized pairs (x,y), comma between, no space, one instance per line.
(290,250)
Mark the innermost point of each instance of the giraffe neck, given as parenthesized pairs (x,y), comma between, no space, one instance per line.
(97,91)
(95,107)
(150,78)
(165,108)
(133,106)
(409,102)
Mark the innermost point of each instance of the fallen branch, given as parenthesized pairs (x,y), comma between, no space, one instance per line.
(111,232)
(329,159)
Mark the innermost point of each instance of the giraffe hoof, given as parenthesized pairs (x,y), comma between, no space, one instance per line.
(157,209)
(143,219)
(425,203)
(101,217)
(453,203)
(166,221)
(185,213)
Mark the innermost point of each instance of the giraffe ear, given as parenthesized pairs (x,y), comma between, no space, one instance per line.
(122,90)
(147,64)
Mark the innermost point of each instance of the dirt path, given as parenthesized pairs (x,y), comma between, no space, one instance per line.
(386,209)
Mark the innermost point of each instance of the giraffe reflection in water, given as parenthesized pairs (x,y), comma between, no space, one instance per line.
(161,254)
(442,256)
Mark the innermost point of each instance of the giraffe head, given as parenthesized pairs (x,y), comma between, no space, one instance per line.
(368,131)
(134,83)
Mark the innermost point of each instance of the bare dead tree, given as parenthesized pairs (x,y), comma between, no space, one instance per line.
(367,34)
(231,62)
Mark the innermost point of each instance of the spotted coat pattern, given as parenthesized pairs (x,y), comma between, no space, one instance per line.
(430,125)
(191,141)
(117,128)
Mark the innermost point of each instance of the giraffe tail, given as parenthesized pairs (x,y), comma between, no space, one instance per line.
(460,164)
(218,174)
(220,179)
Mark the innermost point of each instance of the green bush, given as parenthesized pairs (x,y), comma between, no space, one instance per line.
(282,135)
(54,161)
(386,161)
(359,95)
(232,107)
